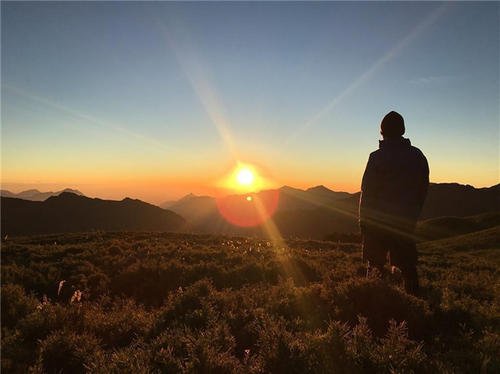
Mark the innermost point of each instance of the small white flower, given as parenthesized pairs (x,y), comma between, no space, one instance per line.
(61,283)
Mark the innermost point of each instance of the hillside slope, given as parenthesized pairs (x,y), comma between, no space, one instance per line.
(478,240)
(444,227)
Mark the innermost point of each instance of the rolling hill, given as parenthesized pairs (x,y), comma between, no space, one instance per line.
(445,227)
(472,241)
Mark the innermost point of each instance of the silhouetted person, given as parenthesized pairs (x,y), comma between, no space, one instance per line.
(393,191)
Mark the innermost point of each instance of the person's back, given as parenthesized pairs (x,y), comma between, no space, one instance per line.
(393,191)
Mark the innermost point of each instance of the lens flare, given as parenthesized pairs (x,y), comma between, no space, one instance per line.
(248,210)
(248,195)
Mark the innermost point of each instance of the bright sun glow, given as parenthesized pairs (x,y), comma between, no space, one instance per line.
(245,176)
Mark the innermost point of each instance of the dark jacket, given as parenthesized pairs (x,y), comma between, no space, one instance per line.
(394,186)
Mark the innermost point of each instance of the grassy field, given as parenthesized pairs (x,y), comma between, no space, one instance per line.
(139,302)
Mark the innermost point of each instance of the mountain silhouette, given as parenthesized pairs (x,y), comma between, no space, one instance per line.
(317,212)
(69,212)
(453,199)
(325,193)
(313,213)
(36,195)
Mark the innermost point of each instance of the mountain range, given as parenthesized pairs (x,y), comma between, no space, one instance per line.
(319,212)
(69,212)
(316,212)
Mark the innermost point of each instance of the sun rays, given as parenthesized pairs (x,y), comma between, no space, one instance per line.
(368,74)
(242,178)
(96,123)
(190,61)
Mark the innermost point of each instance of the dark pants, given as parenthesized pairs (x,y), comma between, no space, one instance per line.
(402,250)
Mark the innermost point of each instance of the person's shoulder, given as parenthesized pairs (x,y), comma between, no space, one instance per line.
(418,154)
(374,156)
(417,151)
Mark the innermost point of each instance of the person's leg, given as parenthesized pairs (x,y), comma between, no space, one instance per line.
(404,256)
(410,278)
(375,253)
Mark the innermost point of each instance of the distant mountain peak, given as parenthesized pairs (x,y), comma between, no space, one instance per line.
(290,189)
(188,197)
(76,192)
(65,196)
(33,190)
(130,200)
(320,188)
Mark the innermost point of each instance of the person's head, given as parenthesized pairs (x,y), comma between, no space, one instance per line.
(392,126)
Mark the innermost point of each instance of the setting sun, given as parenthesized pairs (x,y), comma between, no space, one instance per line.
(245,176)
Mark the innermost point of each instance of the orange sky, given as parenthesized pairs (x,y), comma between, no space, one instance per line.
(151,190)
(158,189)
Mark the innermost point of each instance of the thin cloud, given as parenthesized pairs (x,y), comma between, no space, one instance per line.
(432,80)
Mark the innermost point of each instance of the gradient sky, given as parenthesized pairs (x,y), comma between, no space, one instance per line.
(155,100)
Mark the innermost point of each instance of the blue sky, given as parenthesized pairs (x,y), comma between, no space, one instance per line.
(155,100)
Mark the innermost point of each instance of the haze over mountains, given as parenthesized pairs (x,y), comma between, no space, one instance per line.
(317,212)
(36,195)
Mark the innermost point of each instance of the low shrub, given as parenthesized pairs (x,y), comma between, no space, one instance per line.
(15,304)
(68,352)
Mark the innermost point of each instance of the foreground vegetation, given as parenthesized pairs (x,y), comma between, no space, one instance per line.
(138,302)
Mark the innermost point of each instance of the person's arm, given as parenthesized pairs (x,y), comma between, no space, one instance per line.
(368,194)
(424,185)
